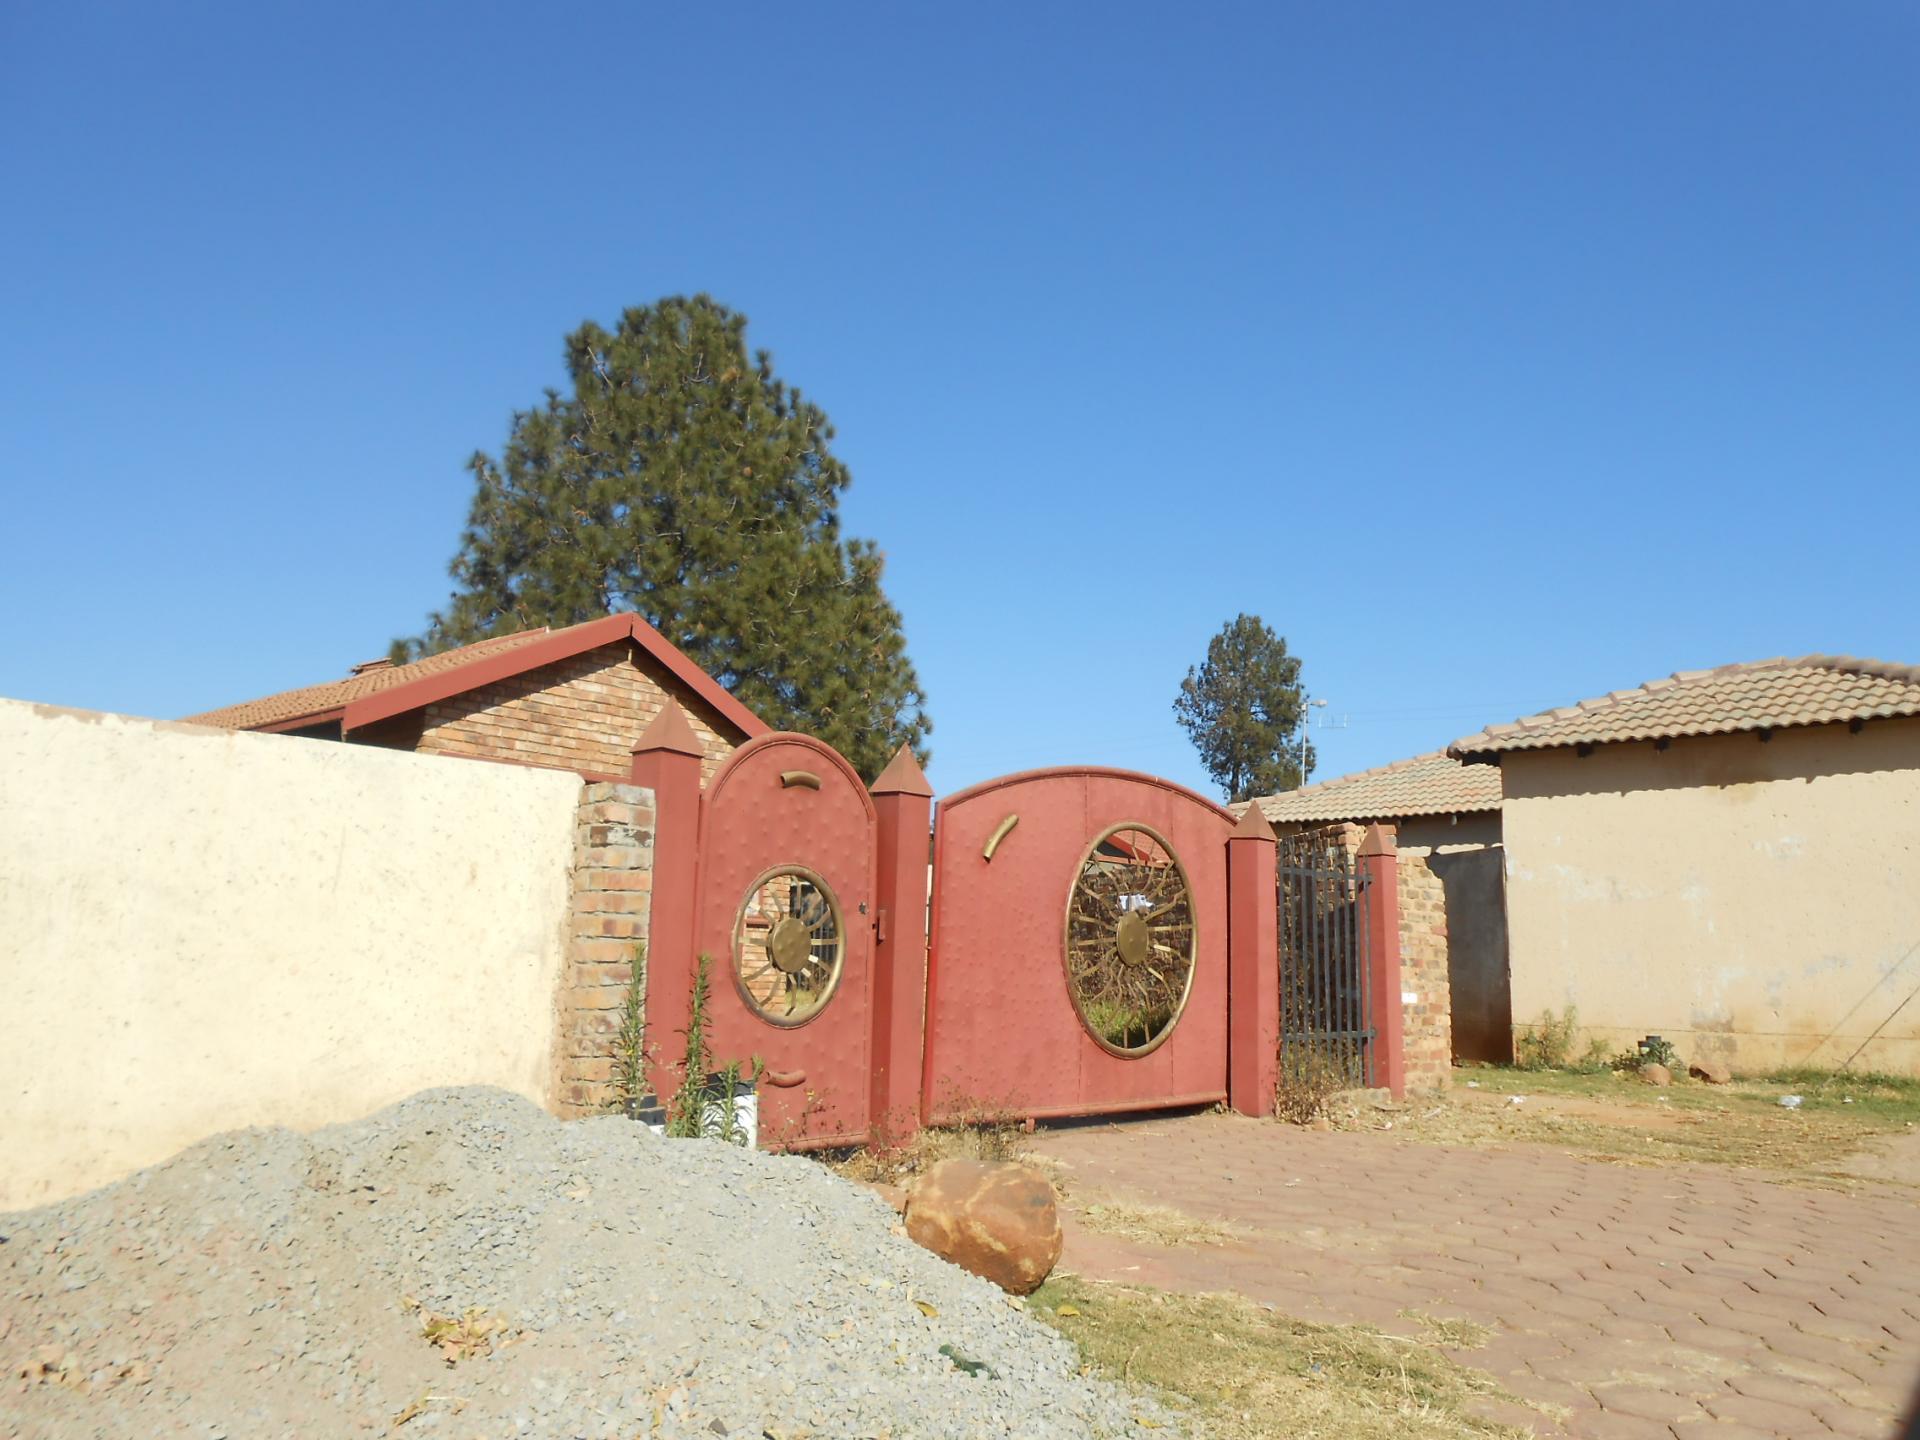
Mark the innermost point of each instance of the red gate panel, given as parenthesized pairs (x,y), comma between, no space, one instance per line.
(1003,1030)
(786,886)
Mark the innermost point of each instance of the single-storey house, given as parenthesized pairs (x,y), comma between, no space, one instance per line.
(570,699)
(1728,858)
(1446,822)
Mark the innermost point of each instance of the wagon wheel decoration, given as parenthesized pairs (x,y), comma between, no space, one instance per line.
(788,945)
(1129,940)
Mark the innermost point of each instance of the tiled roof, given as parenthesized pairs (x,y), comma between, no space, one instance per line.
(1760,695)
(377,691)
(1431,784)
(331,695)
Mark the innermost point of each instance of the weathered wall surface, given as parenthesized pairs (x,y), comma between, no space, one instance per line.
(201,930)
(580,714)
(1479,1000)
(1754,901)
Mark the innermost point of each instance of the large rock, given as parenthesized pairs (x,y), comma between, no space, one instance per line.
(1655,1075)
(1711,1071)
(996,1219)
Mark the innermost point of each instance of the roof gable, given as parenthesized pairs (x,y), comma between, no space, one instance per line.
(1758,695)
(378,693)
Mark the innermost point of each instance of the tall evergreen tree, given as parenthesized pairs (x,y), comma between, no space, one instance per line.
(685,481)
(1244,708)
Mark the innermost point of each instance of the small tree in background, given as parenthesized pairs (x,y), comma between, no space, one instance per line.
(682,478)
(1243,707)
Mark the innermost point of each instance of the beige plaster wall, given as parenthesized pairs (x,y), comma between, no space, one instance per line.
(1756,901)
(201,930)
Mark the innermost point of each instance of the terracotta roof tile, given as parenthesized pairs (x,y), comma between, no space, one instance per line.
(1758,695)
(1432,784)
(322,699)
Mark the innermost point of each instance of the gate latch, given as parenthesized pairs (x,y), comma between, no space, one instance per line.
(879,923)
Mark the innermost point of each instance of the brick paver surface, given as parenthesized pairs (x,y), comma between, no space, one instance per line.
(1681,1301)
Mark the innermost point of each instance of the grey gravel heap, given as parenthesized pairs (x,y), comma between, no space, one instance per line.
(266,1283)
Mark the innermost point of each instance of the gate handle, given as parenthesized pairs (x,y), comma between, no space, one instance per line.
(784,1079)
(804,779)
(993,840)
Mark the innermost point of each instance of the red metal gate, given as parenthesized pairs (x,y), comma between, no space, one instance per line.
(778,894)
(1079,952)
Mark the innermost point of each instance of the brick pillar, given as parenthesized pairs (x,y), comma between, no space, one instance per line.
(904,802)
(1380,862)
(1253,966)
(612,858)
(667,761)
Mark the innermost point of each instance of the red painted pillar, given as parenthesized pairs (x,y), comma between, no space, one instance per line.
(904,802)
(1380,862)
(666,760)
(1253,966)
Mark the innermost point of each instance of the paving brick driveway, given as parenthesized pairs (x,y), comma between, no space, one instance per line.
(1681,1301)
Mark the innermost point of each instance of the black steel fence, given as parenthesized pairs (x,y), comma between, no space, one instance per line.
(1324,1009)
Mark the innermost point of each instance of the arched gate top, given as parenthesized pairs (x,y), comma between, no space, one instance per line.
(757,746)
(1092,772)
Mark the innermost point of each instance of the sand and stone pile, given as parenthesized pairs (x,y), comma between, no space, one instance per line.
(462,1264)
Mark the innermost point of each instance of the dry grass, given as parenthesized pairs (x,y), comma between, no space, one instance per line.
(460,1337)
(1451,1332)
(987,1139)
(1152,1224)
(1614,1117)
(1247,1373)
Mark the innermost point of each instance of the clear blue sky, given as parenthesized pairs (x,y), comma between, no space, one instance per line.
(1497,355)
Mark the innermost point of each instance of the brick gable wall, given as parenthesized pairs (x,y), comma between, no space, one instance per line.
(578,714)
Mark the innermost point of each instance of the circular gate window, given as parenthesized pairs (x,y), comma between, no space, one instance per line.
(1130,940)
(788,944)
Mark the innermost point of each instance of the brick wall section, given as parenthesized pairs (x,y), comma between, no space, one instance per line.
(1428,1036)
(612,895)
(578,714)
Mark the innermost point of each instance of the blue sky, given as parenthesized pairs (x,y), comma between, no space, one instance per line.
(1497,355)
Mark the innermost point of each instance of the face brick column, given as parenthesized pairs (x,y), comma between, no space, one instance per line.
(904,802)
(667,761)
(1253,966)
(1379,862)
(612,857)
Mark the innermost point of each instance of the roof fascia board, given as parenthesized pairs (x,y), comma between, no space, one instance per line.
(303,722)
(518,659)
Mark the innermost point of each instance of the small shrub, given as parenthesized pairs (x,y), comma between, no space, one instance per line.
(630,1041)
(1546,1044)
(1309,1079)
(704,1108)
(1660,1052)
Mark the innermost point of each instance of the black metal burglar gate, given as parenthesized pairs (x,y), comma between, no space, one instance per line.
(1324,1006)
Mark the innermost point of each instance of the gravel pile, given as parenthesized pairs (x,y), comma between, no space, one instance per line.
(266,1283)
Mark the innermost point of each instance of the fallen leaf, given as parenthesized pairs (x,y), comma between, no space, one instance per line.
(925,1309)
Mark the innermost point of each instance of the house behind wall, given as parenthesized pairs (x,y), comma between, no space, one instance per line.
(1729,859)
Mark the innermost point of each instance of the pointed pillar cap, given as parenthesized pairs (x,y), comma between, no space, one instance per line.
(1253,824)
(903,776)
(670,731)
(1379,840)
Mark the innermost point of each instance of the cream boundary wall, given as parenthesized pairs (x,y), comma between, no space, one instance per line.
(1742,898)
(202,929)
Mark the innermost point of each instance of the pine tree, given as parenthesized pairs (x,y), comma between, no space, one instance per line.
(1243,707)
(681,480)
